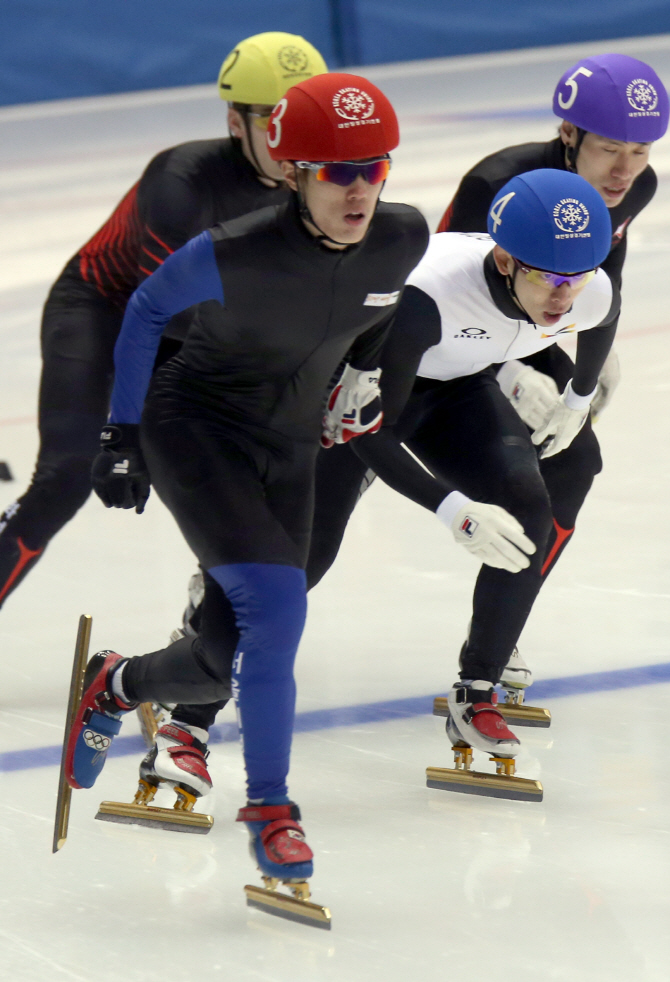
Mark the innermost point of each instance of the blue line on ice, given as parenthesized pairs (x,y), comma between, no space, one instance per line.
(371,712)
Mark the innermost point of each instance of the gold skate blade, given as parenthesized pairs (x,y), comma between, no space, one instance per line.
(169,819)
(64,798)
(522,715)
(490,785)
(282,905)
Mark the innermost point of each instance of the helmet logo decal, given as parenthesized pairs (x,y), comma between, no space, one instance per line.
(292,59)
(355,106)
(643,97)
(572,218)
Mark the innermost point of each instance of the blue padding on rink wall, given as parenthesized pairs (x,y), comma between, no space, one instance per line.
(58,49)
(372,712)
(395,30)
(55,49)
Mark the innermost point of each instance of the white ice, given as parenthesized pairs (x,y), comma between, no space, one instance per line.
(422,884)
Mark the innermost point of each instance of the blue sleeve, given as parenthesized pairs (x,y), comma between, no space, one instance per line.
(189,276)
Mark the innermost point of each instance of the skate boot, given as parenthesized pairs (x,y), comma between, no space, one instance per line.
(177,760)
(515,679)
(474,721)
(277,845)
(516,673)
(97,722)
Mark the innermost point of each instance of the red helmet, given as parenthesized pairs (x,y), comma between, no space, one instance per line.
(332,117)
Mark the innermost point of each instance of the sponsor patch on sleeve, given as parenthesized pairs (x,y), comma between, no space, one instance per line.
(381,299)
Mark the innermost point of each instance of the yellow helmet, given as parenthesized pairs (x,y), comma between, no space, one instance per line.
(260,69)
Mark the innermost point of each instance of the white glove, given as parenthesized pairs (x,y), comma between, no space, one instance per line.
(354,407)
(487,531)
(533,394)
(563,422)
(609,378)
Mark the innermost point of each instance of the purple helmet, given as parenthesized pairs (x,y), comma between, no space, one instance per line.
(614,96)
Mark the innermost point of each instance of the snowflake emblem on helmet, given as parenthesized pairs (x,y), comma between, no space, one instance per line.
(642,95)
(292,59)
(353,104)
(571,215)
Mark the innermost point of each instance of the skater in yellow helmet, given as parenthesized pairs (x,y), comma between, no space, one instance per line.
(253,78)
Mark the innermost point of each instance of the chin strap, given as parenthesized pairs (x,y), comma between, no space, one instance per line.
(254,159)
(509,283)
(571,153)
(306,215)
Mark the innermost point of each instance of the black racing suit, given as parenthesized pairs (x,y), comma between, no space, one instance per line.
(230,432)
(183,191)
(472,440)
(568,475)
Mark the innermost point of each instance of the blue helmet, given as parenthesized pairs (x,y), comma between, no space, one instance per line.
(553,220)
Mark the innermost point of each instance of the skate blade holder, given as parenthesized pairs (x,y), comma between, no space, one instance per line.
(150,716)
(503,784)
(295,906)
(514,711)
(180,818)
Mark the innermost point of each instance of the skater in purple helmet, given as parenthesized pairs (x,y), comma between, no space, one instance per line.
(612,109)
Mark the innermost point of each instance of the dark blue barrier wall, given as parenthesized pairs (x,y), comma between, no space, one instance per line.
(399,30)
(54,49)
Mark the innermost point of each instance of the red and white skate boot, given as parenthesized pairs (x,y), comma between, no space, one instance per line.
(475,719)
(178,758)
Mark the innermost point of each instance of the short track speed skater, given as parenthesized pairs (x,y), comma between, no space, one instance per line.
(475,722)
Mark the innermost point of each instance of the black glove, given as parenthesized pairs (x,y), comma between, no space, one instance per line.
(119,474)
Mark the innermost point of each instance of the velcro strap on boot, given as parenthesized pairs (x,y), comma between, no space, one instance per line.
(284,842)
(185,738)
(186,752)
(268,813)
(191,760)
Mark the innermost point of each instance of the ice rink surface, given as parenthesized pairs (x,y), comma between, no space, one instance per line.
(422,884)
